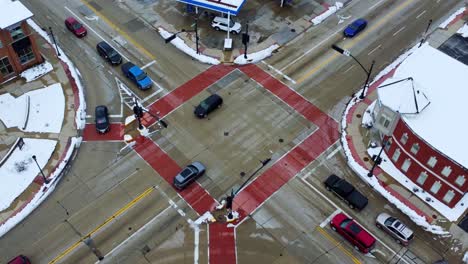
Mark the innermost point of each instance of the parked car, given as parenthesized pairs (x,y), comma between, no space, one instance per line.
(346,192)
(137,75)
(208,105)
(402,234)
(108,53)
(354,28)
(102,119)
(188,175)
(75,27)
(221,23)
(354,233)
(20,260)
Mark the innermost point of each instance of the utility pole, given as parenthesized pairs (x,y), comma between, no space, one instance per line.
(246,39)
(196,35)
(55,42)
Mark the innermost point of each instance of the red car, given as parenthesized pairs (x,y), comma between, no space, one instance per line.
(354,233)
(76,27)
(20,260)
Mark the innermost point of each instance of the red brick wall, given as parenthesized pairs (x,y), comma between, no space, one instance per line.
(422,156)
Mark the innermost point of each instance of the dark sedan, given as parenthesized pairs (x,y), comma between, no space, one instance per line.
(208,105)
(189,175)
(102,119)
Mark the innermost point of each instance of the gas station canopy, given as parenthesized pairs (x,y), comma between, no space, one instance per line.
(223,6)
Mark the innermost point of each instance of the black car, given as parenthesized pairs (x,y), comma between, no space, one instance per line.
(208,105)
(108,53)
(188,175)
(346,192)
(102,119)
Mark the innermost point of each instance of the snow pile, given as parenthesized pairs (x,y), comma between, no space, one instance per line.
(16,118)
(45,190)
(372,181)
(207,217)
(81,111)
(44,116)
(367,120)
(19,170)
(452,17)
(331,10)
(180,44)
(257,56)
(463,31)
(37,71)
(465,257)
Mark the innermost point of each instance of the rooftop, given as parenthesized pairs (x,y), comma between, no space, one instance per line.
(224,6)
(439,84)
(12,12)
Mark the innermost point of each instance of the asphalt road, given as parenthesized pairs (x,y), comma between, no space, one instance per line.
(291,226)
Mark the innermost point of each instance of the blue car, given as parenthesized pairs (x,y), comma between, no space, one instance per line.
(137,75)
(354,28)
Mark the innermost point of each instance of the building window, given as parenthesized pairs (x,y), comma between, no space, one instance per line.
(415,148)
(406,165)
(388,144)
(5,66)
(449,196)
(422,178)
(396,155)
(384,121)
(446,171)
(1,45)
(460,180)
(404,138)
(17,33)
(435,187)
(432,162)
(25,55)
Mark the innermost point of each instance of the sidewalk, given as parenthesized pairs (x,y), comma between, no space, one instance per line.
(66,139)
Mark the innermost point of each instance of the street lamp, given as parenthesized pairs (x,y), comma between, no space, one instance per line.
(246,39)
(377,160)
(42,173)
(55,42)
(368,72)
(173,36)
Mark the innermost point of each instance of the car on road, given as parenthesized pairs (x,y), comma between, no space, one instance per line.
(399,231)
(21,259)
(137,75)
(221,23)
(354,233)
(189,174)
(208,105)
(102,119)
(354,28)
(108,53)
(346,192)
(75,27)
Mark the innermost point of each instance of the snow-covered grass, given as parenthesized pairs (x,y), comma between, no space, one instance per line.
(37,71)
(81,111)
(331,10)
(452,17)
(257,56)
(45,190)
(44,116)
(19,170)
(373,181)
(180,44)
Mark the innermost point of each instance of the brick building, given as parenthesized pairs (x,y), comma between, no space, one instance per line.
(18,50)
(420,112)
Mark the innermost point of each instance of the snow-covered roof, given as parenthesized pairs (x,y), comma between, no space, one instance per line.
(411,98)
(224,6)
(12,12)
(443,80)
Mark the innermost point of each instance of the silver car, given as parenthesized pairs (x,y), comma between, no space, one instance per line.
(402,234)
(188,175)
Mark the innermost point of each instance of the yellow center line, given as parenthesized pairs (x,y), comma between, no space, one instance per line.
(121,32)
(355,41)
(338,245)
(115,215)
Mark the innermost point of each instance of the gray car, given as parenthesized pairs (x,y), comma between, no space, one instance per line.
(402,234)
(188,175)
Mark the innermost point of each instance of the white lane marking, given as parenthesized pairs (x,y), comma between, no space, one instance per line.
(334,152)
(376,48)
(160,89)
(115,115)
(375,5)
(327,220)
(401,29)
(148,64)
(279,72)
(347,70)
(420,14)
(90,28)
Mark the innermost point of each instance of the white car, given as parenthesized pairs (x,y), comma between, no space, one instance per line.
(402,234)
(221,23)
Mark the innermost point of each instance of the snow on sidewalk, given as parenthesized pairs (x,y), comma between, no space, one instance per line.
(331,10)
(257,56)
(19,170)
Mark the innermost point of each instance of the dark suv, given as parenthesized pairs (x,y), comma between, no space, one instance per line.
(108,53)
(208,105)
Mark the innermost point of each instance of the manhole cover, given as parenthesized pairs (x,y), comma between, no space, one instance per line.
(226,133)
(242,174)
(293,30)
(358,115)
(366,159)
(280,140)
